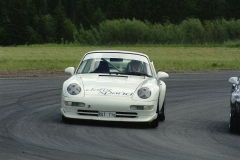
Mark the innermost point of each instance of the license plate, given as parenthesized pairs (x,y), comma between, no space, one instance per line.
(107,114)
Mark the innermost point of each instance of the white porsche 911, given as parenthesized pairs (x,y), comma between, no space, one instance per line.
(111,85)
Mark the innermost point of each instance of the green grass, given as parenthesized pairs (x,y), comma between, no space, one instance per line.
(165,57)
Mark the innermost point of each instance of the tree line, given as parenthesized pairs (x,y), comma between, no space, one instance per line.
(118,21)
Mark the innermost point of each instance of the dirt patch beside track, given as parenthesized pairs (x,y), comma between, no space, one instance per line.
(31,73)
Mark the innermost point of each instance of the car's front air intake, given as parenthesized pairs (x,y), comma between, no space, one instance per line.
(117,115)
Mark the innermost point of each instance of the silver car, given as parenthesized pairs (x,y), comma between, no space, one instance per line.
(234,123)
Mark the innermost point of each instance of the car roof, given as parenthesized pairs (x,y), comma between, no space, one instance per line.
(117,51)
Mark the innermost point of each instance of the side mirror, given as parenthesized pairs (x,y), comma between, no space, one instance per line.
(233,80)
(70,70)
(162,75)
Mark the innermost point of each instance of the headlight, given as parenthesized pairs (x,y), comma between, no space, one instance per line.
(144,93)
(74,89)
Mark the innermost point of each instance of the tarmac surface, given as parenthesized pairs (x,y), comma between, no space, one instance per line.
(196,125)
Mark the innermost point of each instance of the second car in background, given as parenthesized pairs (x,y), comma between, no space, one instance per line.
(234,123)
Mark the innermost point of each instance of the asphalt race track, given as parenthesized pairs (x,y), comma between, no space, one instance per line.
(196,125)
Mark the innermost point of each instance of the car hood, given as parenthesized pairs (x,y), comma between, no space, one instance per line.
(111,85)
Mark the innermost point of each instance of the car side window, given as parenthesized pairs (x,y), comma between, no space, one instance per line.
(85,66)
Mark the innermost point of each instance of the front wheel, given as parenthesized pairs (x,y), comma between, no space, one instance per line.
(154,123)
(232,125)
(66,120)
(162,113)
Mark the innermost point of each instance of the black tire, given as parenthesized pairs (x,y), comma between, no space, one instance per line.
(161,116)
(154,123)
(232,124)
(66,120)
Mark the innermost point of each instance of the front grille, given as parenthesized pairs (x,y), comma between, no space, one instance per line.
(126,114)
(118,114)
(88,113)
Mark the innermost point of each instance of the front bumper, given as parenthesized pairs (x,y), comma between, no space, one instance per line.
(119,105)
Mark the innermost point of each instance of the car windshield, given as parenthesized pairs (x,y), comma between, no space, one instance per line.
(115,66)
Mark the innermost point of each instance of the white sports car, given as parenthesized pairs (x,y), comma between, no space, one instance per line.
(110,85)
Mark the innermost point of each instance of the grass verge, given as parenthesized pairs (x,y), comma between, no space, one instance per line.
(177,58)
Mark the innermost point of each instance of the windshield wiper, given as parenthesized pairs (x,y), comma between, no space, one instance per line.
(131,73)
(137,74)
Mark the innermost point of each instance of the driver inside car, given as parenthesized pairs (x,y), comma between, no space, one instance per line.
(134,66)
